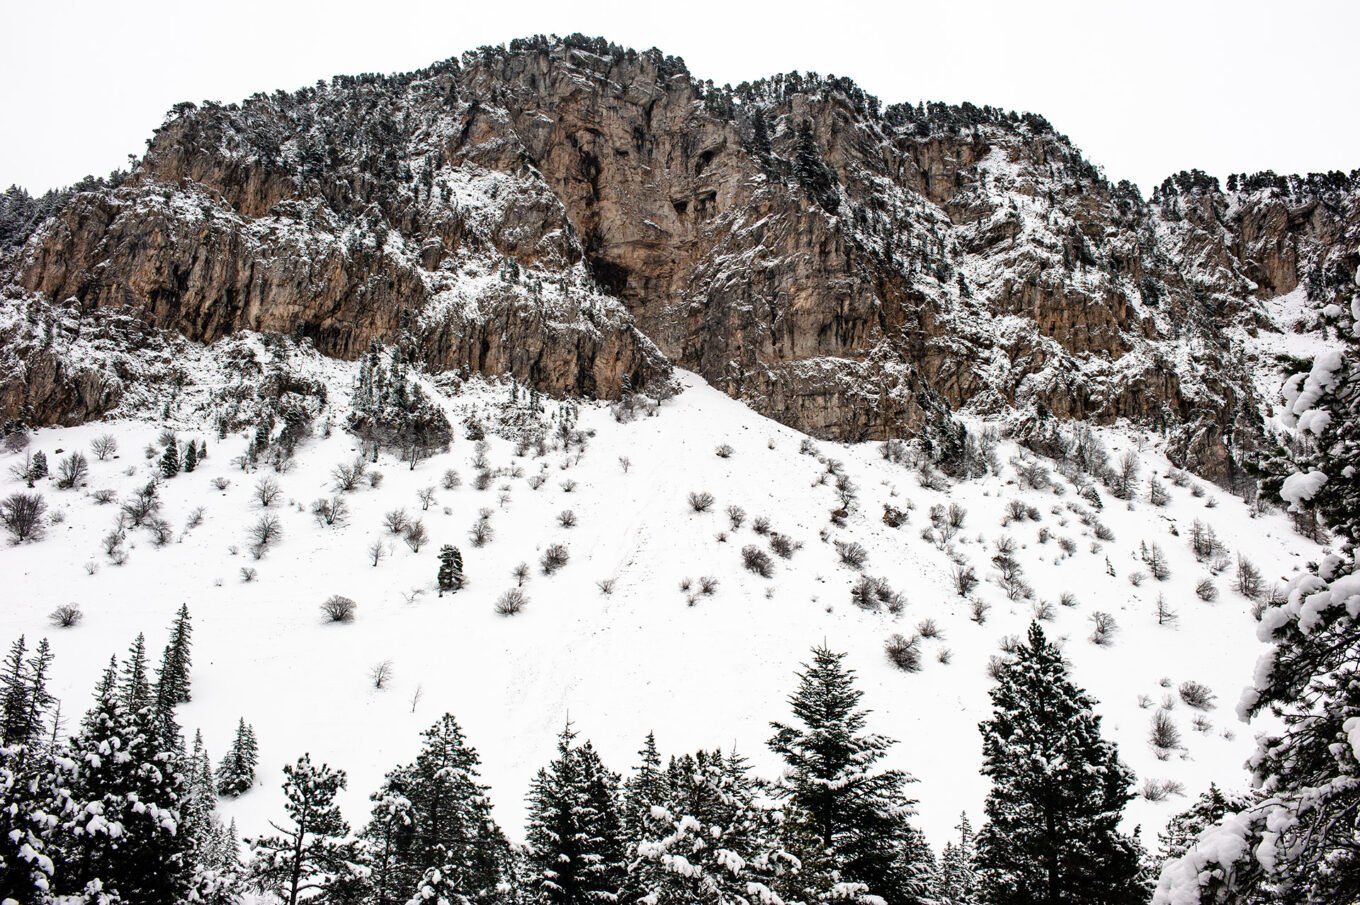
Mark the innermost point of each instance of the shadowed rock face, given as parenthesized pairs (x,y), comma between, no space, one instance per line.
(581,216)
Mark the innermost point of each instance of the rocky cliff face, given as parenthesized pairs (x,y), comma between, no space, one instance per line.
(581,216)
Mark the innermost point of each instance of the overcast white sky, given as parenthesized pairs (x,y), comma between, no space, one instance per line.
(1144,89)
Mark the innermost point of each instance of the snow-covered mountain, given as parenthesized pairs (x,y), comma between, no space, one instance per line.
(728,373)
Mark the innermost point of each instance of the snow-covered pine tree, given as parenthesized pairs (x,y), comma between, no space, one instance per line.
(236,773)
(848,820)
(444,822)
(122,833)
(450,569)
(708,839)
(574,833)
(215,878)
(190,457)
(313,854)
(1210,808)
(1058,792)
(958,875)
(170,461)
(172,678)
(31,801)
(24,698)
(385,843)
(641,791)
(1297,843)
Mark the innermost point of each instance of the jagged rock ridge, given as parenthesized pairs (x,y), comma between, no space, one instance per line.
(581,216)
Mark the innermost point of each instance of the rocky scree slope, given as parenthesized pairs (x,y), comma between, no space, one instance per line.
(581,216)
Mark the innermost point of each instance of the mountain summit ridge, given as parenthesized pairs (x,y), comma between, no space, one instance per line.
(582,217)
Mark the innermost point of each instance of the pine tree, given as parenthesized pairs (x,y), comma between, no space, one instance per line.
(122,833)
(236,773)
(958,877)
(1210,808)
(31,799)
(37,467)
(312,854)
(574,832)
(172,679)
(190,457)
(1058,791)
(1298,844)
(706,839)
(450,569)
(852,818)
(645,788)
(170,461)
(444,822)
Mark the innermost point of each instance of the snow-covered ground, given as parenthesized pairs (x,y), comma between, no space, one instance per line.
(711,674)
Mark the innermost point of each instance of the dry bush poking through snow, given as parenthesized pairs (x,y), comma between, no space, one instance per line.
(904,653)
(66,615)
(757,561)
(511,602)
(554,558)
(700,501)
(851,554)
(1103,628)
(1196,695)
(339,609)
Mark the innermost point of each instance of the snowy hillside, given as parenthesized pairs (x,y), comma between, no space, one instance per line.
(622,638)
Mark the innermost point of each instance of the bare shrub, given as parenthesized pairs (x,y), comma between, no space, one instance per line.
(414,535)
(345,478)
(783,545)
(757,561)
(1103,628)
(566,518)
(1044,611)
(381,673)
(1206,590)
(761,525)
(376,552)
(736,516)
(267,492)
(22,515)
(481,533)
(521,574)
(904,653)
(426,497)
(851,554)
(1197,695)
(1249,583)
(870,593)
(1161,789)
(554,558)
(248,574)
(928,628)
(724,451)
(104,496)
(568,486)
(72,470)
(700,500)
(979,609)
(606,586)
(708,585)
(265,532)
(1067,599)
(965,579)
(103,446)
(1164,736)
(339,609)
(66,615)
(221,483)
(511,602)
(450,480)
(333,512)
(396,521)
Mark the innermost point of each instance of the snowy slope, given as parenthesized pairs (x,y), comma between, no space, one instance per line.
(639,659)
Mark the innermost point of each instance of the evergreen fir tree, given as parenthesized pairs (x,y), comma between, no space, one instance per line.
(190,457)
(1210,808)
(37,467)
(172,679)
(236,773)
(707,839)
(1058,792)
(444,822)
(170,461)
(450,569)
(645,788)
(31,800)
(386,840)
(574,833)
(849,821)
(1298,844)
(122,833)
(958,878)
(311,855)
